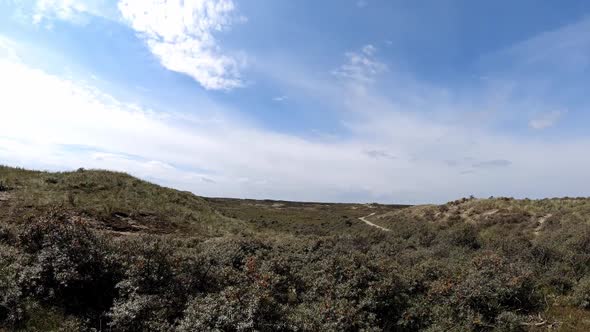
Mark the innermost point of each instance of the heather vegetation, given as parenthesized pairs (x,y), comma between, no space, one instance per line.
(95,250)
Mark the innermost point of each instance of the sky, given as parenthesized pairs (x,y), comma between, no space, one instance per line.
(335,100)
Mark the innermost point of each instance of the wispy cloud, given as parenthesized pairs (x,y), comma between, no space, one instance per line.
(542,77)
(7,50)
(566,47)
(280,98)
(181,35)
(68,10)
(425,126)
(493,163)
(546,120)
(377,154)
(362,66)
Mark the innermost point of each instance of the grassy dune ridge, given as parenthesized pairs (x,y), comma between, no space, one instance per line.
(106,251)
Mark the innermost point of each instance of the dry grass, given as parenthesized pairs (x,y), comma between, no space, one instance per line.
(111,200)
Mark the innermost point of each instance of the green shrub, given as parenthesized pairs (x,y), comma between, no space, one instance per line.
(12,306)
(71,267)
(581,293)
(148,295)
(493,285)
(509,322)
(464,235)
(235,309)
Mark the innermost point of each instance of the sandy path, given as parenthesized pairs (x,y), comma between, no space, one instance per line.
(541,222)
(4,197)
(364,219)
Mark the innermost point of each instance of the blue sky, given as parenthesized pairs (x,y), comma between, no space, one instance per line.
(336,100)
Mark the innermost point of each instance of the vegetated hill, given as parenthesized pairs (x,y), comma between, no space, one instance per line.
(101,250)
(111,201)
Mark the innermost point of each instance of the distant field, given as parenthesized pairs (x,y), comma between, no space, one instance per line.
(99,250)
(300,218)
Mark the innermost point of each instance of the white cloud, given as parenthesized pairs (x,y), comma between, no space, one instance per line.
(369,50)
(7,50)
(68,10)
(280,98)
(393,151)
(362,67)
(239,160)
(181,35)
(43,114)
(62,9)
(565,48)
(546,120)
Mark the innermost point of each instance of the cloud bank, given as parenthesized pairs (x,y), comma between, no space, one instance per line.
(404,141)
(212,155)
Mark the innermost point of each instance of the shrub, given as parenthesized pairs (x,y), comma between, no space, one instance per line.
(464,235)
(493,285)
(12,307)
(148,299)
(7,235)
(509,322)
(71,266)
(581,294)
(235,309)
(140,312)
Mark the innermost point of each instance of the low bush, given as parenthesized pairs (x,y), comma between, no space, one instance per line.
(581,293)
(493,285)
(509,322)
